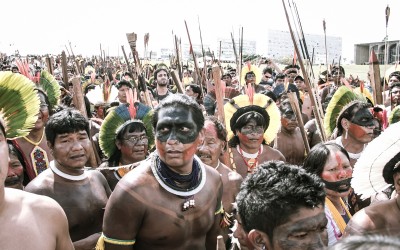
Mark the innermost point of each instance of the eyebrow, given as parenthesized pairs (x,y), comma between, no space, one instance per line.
(308,223)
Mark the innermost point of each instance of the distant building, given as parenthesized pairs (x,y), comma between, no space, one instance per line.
(363,51)
(280,45)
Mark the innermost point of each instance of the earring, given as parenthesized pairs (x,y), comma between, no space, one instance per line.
(345,134)
(263,247)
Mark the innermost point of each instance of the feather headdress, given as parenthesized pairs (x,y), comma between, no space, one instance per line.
(120,117)
(340,99)
(19,104)
(260,102)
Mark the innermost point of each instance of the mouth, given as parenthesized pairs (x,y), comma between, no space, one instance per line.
(173,153)
(204,157)
(78,157)
(12,182)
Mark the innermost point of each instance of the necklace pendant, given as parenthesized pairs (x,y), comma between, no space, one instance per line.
(189,203)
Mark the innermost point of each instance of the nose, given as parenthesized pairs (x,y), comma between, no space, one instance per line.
(76,146)
(172,139)
(10,172)
(342,174)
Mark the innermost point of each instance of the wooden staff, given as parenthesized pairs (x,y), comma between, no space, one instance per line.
(76,63)
(326,48)
(295,106)
(220,243)
(132,44)
(315,103)
(201,82)
(219,94)
(178,61)
(202,51)
(178,83)
(375,78)
(131,71)
(64,68)
(79,104)
(49,65)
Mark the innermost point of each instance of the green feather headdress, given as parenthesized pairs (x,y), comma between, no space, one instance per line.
(117,119)
(340,99)
(19,104)
(50,85)
(394,115)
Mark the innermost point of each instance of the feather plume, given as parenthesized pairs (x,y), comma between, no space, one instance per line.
(19,104)
(50,85)
(341,98)
(131,107)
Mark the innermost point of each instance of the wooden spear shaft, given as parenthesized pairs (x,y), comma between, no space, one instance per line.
(295,106)
(314,102)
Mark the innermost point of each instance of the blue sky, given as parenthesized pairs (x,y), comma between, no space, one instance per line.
(44,26)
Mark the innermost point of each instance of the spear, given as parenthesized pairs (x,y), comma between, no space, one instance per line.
(131,71)
(326,48)
(315,103)
(202,51)
(195,61)
(375,78)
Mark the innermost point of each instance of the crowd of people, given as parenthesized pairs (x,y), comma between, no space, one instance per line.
(95,155)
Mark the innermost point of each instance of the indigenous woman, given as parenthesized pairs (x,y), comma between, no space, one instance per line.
(331,163)
(124,141)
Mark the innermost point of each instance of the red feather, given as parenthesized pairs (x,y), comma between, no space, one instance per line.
(130,100)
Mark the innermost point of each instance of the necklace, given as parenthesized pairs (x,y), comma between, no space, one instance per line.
(187,194)
(253,158)
(248,155)
(32,142)
(67,176)
(219,164)
(351,155)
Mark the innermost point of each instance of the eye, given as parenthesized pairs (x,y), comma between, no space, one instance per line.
(300,235)
(184,129)
(332,170)
(163,130)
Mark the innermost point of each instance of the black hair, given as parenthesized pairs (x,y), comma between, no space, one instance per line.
(46,99)
(388,170)
(367,242)
(270,94)
(66,121)
(274,192)
(123,83)
(267,70)
(319,155)
(13,150)
(280,76)
(348,112)
(181,100)
(131,126)
(219,127)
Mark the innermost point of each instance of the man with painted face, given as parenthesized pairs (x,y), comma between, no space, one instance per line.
(172,200)
(281,206)
(248,124)
(212,149)
(331,163)
(82,194)
(289,140)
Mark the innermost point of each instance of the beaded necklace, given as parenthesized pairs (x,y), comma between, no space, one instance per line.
(168,179)
(253,158)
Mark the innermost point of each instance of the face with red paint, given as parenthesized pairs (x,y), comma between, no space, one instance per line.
(212,147)
(361,126)
(337,168)
(177,138)
(250,136)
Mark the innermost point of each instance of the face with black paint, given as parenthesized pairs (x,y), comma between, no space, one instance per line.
(337,174)
(288,118)
(250,136)
(361,127)
(306,229)
(177,137)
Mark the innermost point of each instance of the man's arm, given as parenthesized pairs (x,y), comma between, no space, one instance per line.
(87,243)
(359,224)
(123,217)
(211,238)
(57,218)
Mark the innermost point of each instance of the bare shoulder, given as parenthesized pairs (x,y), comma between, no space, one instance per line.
(38,204)
(360,223)
(273,154)
(41,183)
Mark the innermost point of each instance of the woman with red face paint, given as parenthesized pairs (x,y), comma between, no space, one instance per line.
(331,163)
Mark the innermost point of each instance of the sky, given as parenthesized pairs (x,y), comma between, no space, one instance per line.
(43,26)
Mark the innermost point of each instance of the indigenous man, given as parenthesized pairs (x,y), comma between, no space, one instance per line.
(289,140)
(213,147)
(123,86)
(15,175)
(250,125)
(172,200)
(281,206)
(82,194)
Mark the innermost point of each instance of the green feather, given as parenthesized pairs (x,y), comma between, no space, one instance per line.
(108,132)
(19,104)
(394,115)
(50,85)
(341,98)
